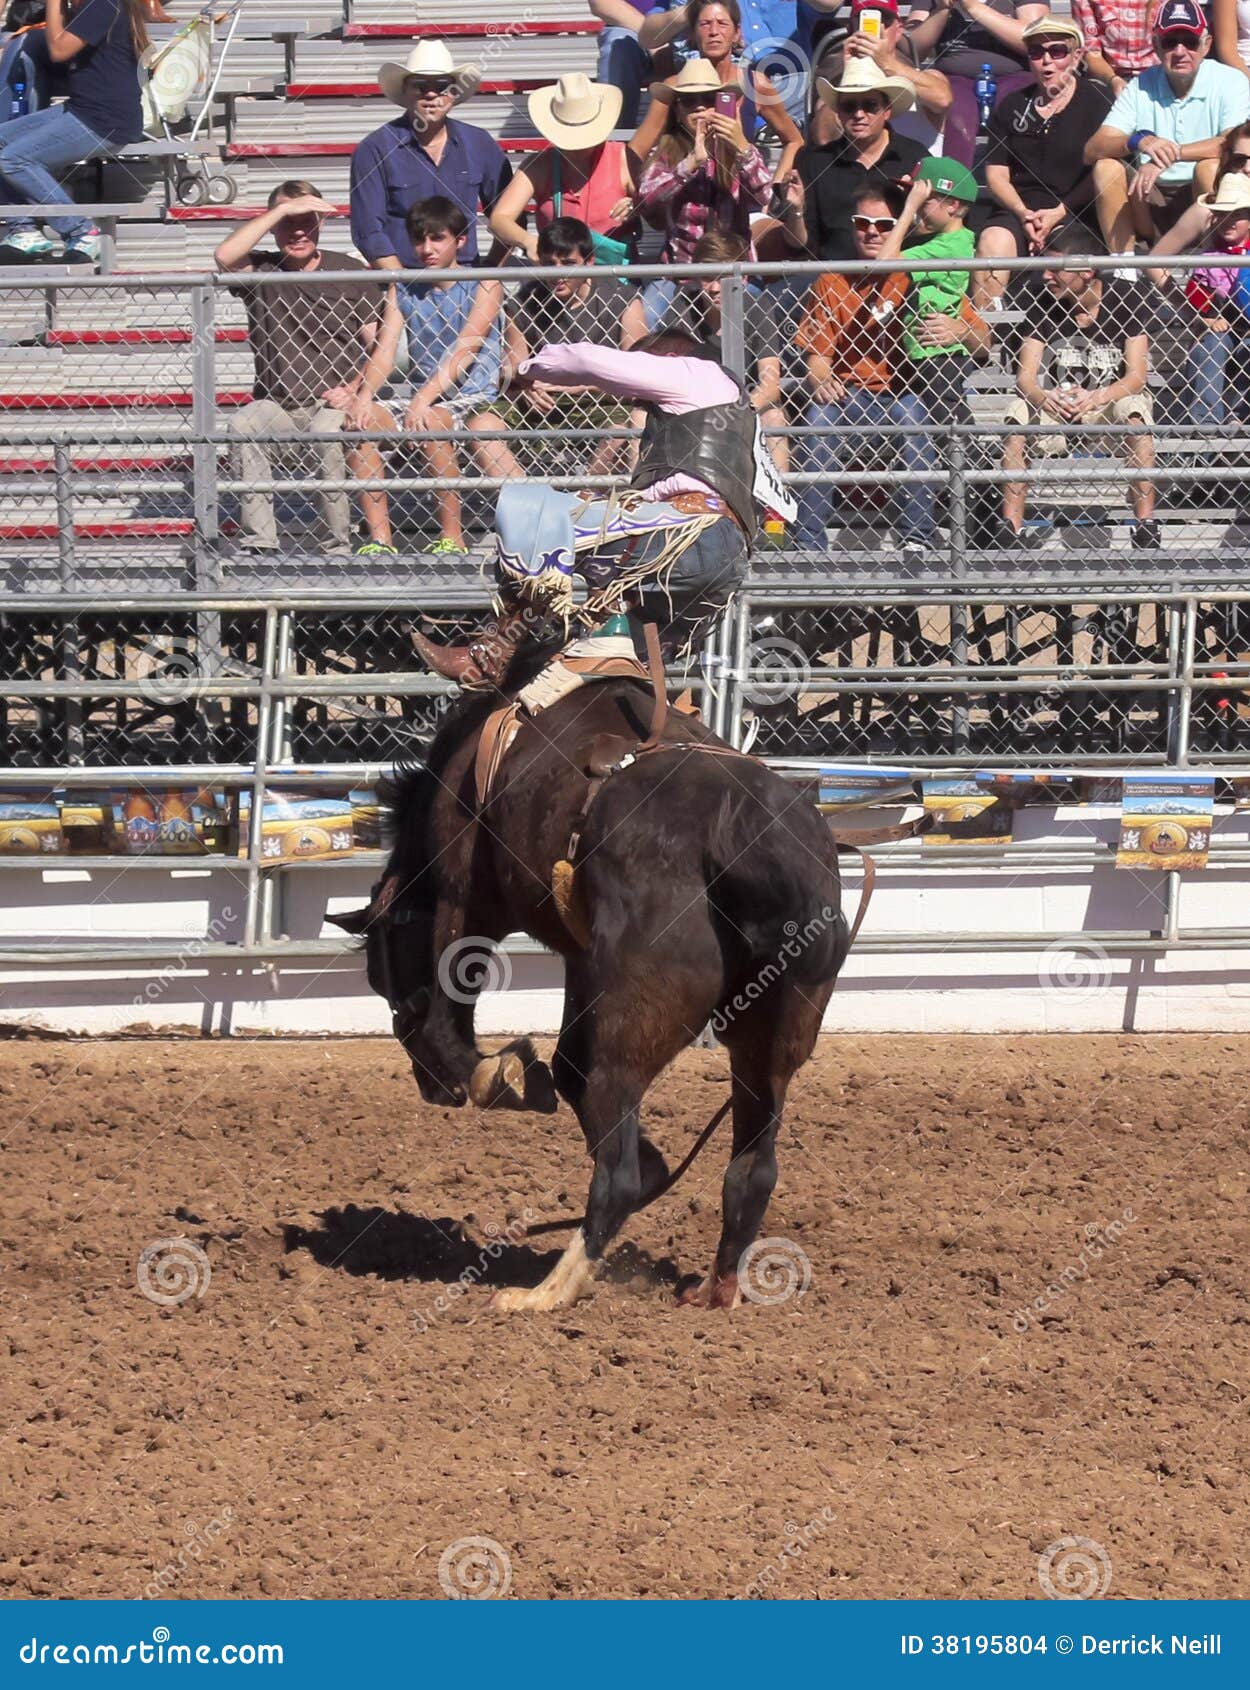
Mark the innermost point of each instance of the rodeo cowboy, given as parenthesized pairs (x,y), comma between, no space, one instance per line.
(671,550)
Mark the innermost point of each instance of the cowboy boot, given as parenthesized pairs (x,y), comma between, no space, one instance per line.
(485,659)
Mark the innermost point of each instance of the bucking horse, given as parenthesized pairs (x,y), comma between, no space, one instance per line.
(704,889)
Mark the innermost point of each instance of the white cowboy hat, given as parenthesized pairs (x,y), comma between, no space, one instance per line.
(427,58)
(697,76)
(1233,194)
(575,112)
(863,76)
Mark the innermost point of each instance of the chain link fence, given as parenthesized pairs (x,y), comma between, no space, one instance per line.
(195,590)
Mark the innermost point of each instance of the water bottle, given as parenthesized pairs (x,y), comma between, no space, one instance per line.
(17,102)
(987,93)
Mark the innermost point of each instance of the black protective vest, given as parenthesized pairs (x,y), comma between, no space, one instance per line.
(715,444)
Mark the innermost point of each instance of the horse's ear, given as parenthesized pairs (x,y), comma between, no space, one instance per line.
(354,922)
(357,922)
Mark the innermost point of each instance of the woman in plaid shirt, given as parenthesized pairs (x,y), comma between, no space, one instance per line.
(703,175)
(1117,38)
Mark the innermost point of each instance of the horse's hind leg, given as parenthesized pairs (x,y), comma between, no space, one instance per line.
(764,1056)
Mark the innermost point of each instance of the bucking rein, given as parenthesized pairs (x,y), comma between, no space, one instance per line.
(606,756)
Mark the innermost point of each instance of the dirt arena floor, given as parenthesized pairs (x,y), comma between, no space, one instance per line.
(1027,1320)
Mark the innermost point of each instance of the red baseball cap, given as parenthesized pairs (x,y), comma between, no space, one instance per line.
(890,6)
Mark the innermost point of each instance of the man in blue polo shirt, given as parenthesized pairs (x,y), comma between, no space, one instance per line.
(1166,121)
(420,154)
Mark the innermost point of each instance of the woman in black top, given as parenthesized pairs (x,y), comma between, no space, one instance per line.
(98,43)
(1035,166)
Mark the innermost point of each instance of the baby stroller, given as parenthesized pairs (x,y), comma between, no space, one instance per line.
(177,73)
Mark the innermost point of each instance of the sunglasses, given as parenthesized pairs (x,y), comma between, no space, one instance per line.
(875,104)
(1179,38)
(696,101)
(415,85)
(863,224)
(1049,49)
(1240,159)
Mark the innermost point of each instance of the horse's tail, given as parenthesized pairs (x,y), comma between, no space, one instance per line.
(772,880)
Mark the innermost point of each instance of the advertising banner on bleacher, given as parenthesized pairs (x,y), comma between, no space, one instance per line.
(1165,821)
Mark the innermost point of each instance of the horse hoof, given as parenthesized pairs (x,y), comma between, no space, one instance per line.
(498,1082)
(712,1293)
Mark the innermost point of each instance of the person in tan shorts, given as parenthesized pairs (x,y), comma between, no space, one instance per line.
(1083,361)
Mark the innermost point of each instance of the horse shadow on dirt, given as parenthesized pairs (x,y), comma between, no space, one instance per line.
(398,1245)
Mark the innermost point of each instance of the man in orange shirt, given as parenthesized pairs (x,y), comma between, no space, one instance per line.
(850,333)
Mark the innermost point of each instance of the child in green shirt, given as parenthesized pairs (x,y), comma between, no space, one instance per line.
(937,204)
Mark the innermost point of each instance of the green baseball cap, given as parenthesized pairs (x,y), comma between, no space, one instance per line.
(948,176)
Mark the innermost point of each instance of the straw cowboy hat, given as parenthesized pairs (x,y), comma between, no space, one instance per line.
(575,112)
(427,58)
(1233,194)
(864,76)
(697,76)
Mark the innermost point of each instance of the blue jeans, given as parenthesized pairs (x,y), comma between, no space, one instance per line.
(624,65)
(1217,370)
(860,409)
(31,149)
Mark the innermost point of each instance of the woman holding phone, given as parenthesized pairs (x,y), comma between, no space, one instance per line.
(98,43)
(704,174)
(714,30)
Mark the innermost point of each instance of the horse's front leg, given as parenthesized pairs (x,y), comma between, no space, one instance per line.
(466,963)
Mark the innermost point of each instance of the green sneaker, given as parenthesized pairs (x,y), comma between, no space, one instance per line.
(446,547)
(375,548)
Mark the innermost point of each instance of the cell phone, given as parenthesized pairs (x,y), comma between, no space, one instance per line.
(870,24)
(727,102)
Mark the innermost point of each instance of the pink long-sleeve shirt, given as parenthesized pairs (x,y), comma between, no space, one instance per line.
(676,385)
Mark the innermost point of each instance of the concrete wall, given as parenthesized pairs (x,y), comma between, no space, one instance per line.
(1059,984)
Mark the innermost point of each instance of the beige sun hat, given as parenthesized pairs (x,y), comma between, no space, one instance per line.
(428,58)
(1052,25)
(864,76)
(698,76)
(575,112)
(1233,194)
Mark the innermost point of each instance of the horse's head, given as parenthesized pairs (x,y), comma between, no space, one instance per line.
(398,933)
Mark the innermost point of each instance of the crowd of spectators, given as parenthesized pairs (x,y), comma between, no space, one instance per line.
(732,131)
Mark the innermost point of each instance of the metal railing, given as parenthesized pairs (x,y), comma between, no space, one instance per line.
(140,647)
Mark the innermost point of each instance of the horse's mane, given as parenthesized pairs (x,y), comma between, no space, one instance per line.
(408,792)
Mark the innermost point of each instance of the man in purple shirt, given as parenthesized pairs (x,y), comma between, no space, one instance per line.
(420,153)
(672,552)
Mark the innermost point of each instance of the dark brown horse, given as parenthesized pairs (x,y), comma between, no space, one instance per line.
(711,892)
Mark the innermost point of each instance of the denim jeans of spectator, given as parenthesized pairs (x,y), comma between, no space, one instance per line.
(624,65)
(657,296)
(825,454)
(32,149)
(1217,376)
